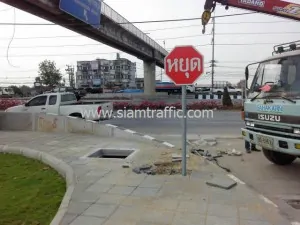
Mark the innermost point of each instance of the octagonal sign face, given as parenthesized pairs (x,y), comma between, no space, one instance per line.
(184,65)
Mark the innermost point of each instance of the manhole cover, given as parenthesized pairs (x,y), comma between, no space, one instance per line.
(294,203)
(112,153)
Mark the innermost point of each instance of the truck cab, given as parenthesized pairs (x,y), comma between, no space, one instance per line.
(272,105)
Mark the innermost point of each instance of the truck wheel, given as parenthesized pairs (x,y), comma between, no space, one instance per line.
(78,115)
(279,158)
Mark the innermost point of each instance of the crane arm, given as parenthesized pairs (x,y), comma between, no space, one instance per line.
(271,7)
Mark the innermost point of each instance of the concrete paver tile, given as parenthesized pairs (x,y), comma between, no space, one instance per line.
(103,210)
(215,220)
(188,196)
(110,199)
(254,222)
(164,204)
(121,190)
(192,207)
(68,218)
(131,181)
(248,213)
(78,207)
(98,173)
(107,180)
(188,219)
(222,210)
(136,200)
(158,216)
(86,197)
(145,192)
(127,213)
(99,188)
(153,182)
(121,222)
(88,220)
(222,198)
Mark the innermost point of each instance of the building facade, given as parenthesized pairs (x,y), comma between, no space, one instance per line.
(103,73)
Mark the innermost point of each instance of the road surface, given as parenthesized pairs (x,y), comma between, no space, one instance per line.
(218,122)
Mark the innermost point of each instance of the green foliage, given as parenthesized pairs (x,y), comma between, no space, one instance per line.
(49,74)
(226,100)
(30,191)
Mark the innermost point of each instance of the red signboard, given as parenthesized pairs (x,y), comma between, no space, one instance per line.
(184,65)
(274,7)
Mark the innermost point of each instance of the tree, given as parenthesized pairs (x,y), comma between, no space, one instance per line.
(226,101)
(241,84)
(49,74)
(16,90)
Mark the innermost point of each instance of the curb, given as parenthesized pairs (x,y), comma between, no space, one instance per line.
(147,137)
(60,166)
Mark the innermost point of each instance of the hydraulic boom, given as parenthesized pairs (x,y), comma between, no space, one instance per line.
(271,7)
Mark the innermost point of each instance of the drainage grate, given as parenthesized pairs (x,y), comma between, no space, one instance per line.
(111,153)
(294,203)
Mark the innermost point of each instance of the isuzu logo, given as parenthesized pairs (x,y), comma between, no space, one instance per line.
(258,3)
(272,118)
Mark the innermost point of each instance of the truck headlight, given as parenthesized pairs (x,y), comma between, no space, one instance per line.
(296,131)
(251,124)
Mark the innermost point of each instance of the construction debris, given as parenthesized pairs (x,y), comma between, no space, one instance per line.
(147,169)
(221,182)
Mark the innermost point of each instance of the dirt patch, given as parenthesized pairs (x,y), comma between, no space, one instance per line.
(165,166)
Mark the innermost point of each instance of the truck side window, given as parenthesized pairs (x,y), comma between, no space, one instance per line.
(38,101)
(52,100)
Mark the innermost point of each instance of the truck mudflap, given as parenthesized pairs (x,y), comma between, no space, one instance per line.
(280,144)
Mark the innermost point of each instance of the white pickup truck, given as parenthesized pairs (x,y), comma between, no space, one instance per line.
(231,90)
(65,104)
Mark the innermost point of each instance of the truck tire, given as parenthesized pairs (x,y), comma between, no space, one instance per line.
(78,115)
(278,158)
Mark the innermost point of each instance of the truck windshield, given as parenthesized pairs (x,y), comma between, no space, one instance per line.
(277,78)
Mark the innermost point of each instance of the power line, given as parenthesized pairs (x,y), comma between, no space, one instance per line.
(135,22)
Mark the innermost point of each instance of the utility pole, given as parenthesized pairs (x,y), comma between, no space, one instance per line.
(213,56)
(70,72)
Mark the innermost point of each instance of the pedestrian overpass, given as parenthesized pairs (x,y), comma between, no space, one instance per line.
(114,31)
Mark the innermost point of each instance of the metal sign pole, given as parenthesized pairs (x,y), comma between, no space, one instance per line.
(183,103)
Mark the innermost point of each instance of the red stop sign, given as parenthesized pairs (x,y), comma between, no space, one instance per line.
(184,65)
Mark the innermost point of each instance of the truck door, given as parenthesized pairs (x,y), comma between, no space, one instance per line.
(52,104)
(36,105)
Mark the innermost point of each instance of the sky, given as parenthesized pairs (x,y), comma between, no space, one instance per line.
(239,39)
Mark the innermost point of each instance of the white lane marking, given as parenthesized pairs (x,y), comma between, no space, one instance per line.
(168,144)
(266,200)
(235,179)
(130,131)
(148,137)
(110,125)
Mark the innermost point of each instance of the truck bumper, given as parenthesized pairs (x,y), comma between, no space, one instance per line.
(280,144)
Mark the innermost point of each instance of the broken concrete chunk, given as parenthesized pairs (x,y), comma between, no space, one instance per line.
(221,182)
(176,156)
(163,163)
(126,165)
(177,160)
(136,170)
(145,167)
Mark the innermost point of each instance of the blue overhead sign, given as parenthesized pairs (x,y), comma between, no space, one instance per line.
(88,11)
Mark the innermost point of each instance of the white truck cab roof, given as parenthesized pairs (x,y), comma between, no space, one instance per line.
(282,55)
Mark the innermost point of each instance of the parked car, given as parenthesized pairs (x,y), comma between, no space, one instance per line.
(65,104)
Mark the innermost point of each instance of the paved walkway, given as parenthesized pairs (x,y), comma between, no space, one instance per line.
(107,194)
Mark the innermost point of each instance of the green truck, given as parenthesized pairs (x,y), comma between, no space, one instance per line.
(272,105)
